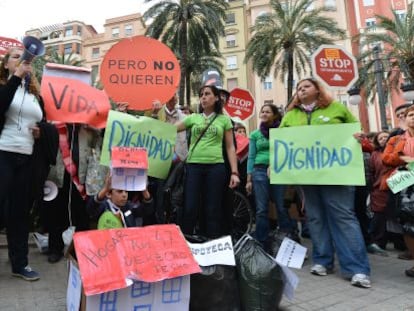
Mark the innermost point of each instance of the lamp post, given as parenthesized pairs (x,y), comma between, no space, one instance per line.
(379,74)
(408,92)
(354,97)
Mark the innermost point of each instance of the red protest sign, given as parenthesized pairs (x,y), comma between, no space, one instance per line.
(242,143)
(129,157)
(108,257)
(72,101)
(139,70)
(240,105)
(7,43)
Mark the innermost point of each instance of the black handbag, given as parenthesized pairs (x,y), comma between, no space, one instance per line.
(406,210)
(173,191)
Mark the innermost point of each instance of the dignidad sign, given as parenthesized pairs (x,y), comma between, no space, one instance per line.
(318,155)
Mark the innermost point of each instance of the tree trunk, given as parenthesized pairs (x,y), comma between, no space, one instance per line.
(183,61)
(290,75)
(188,88)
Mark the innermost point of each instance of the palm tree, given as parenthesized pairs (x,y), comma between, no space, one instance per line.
(187,25)
(64,59)
(285,38)
(395,36)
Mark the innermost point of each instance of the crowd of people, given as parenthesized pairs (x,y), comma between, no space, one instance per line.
(338,217)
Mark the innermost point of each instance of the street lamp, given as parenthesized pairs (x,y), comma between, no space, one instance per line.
(408,92)
(354,97)
(379,74)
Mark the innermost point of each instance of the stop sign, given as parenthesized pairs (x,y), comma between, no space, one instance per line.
(7,43)
(334,66)
(240,105)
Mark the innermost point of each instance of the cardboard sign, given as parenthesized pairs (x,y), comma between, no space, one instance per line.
(316,155)
(215,252)
(8,43)
(291,254)
(171,295)
(107,258)
(157,137)
(71,101)
(131,157)
(129,179)
(139,70)
(400,180)
(242,143)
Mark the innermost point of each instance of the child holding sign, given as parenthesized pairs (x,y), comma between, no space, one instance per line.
(112,209)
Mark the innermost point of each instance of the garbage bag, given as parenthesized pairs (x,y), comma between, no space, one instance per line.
(215,288)
(260,278)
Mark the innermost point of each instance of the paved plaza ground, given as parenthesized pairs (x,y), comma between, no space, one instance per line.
(391,289)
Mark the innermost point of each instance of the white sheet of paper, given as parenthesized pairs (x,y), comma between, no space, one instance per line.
(291,254)
(129,179)
(73,293)
(291,282)
(171,295)
(215,252)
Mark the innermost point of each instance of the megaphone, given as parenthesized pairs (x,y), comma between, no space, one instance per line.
(32,47)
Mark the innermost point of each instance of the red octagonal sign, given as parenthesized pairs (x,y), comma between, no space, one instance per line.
(334,66)
(240,105)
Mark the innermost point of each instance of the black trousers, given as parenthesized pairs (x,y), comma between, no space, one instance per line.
(15,182)
(57,214)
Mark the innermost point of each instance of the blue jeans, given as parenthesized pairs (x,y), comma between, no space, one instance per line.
(204,187)
(264,192)
(333,226)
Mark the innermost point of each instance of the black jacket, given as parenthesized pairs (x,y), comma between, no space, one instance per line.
(133,213)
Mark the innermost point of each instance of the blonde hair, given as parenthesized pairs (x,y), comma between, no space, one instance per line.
(323,100)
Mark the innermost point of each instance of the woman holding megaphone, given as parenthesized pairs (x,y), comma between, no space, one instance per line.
(21,109)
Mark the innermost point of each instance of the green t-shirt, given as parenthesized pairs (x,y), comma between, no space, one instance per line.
(332,114)
(258,150)
(209,150)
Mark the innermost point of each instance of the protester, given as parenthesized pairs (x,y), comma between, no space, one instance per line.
(329,208)
(258,178)
(398,152)
(116,203)
(206,172)
(20,111)
(69,207)
(378,197)
(240,129)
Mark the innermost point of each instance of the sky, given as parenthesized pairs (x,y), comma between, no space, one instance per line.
(20,16)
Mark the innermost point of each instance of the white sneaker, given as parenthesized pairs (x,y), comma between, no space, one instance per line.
(319,270)
(361,280)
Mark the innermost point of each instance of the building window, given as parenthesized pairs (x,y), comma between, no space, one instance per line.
(230,18)
(128,30)
(232,84)
(370,23)
(115,32)
(95,52)
(78,48)
(68,31)
(231,41)
(330,5)
(400,14)
(79,31)
(268,83)
(368,2)
(68,48)
(231,62)
(94,72)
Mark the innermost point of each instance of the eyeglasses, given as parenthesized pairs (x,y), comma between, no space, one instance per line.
(400,115)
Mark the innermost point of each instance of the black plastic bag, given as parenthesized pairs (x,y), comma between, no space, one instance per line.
(260,278)
(215,288)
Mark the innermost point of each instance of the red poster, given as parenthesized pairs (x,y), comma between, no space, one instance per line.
(108,257)
(71,101)
(129,157)
(242,147)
